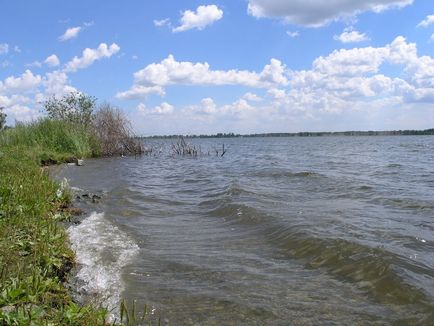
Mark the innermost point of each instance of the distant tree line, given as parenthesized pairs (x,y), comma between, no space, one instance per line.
(306,134)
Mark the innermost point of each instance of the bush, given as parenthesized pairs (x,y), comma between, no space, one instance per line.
(113,132)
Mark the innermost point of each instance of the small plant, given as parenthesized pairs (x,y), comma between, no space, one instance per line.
(131,316)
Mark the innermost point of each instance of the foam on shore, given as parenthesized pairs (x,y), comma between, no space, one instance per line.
(102,250)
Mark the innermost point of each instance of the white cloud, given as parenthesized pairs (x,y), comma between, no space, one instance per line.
(140,92)
(17,49)
(162,22)
(276,94)
(172,72)
(346,89)
(57,83)
(52,60)
(203,17)
(70,33)
(315,13)
(154,77)
(352,79)
(252,97)
(162,109)
(21,113)
(293,34)
(351,36)
(4,48)
(427,21)
(432,37)
(25,83)
(36,64)
(89,56)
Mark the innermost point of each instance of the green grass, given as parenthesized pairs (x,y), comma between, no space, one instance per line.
(50,141)
(35,255)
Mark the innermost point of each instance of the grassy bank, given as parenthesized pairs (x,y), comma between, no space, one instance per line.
(34,252)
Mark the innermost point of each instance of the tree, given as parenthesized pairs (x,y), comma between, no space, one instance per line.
(74,107)
(2,118)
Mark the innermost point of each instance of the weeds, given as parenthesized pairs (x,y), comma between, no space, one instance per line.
(131,316)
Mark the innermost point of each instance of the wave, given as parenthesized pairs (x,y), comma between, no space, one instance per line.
(102,250)
(281,173)
(375,271)
(405,203)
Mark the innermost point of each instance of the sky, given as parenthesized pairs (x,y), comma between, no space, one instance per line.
(242,66)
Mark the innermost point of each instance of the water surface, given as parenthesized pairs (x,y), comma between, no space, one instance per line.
(301,231)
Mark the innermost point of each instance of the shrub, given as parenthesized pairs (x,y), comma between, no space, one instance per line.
(113,132)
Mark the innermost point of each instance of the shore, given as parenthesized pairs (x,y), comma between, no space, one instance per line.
(35,252)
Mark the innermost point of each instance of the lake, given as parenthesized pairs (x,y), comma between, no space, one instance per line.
(278,231)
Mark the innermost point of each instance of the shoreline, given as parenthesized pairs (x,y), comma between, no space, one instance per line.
(92,235)
(36,248)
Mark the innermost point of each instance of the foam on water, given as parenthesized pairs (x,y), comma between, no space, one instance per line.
(102,250)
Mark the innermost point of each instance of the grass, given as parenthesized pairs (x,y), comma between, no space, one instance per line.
(35,256)
(50,141)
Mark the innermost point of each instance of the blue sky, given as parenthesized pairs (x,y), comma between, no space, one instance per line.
(240,66)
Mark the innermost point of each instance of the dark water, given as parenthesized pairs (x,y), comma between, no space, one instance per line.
(279,231)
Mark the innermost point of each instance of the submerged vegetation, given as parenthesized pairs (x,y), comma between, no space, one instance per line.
(35,256)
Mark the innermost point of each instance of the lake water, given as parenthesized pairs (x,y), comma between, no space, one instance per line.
(278,231)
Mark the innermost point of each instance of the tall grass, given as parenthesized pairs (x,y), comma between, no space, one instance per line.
(54,140)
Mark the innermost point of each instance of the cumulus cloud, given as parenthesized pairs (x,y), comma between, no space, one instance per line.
(317,13)
(199,19)
(252,97)
(154,77)
(140,92)
(292,34)
(25,83)
(350,36)
(52,60)
(352,78)
(70,33)
(89,56)
(162,22)
(21,95)
(171,72)
(4,48)
(162,109)
(57,83)
(427,21)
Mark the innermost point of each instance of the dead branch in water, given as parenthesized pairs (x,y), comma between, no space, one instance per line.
(182,148)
